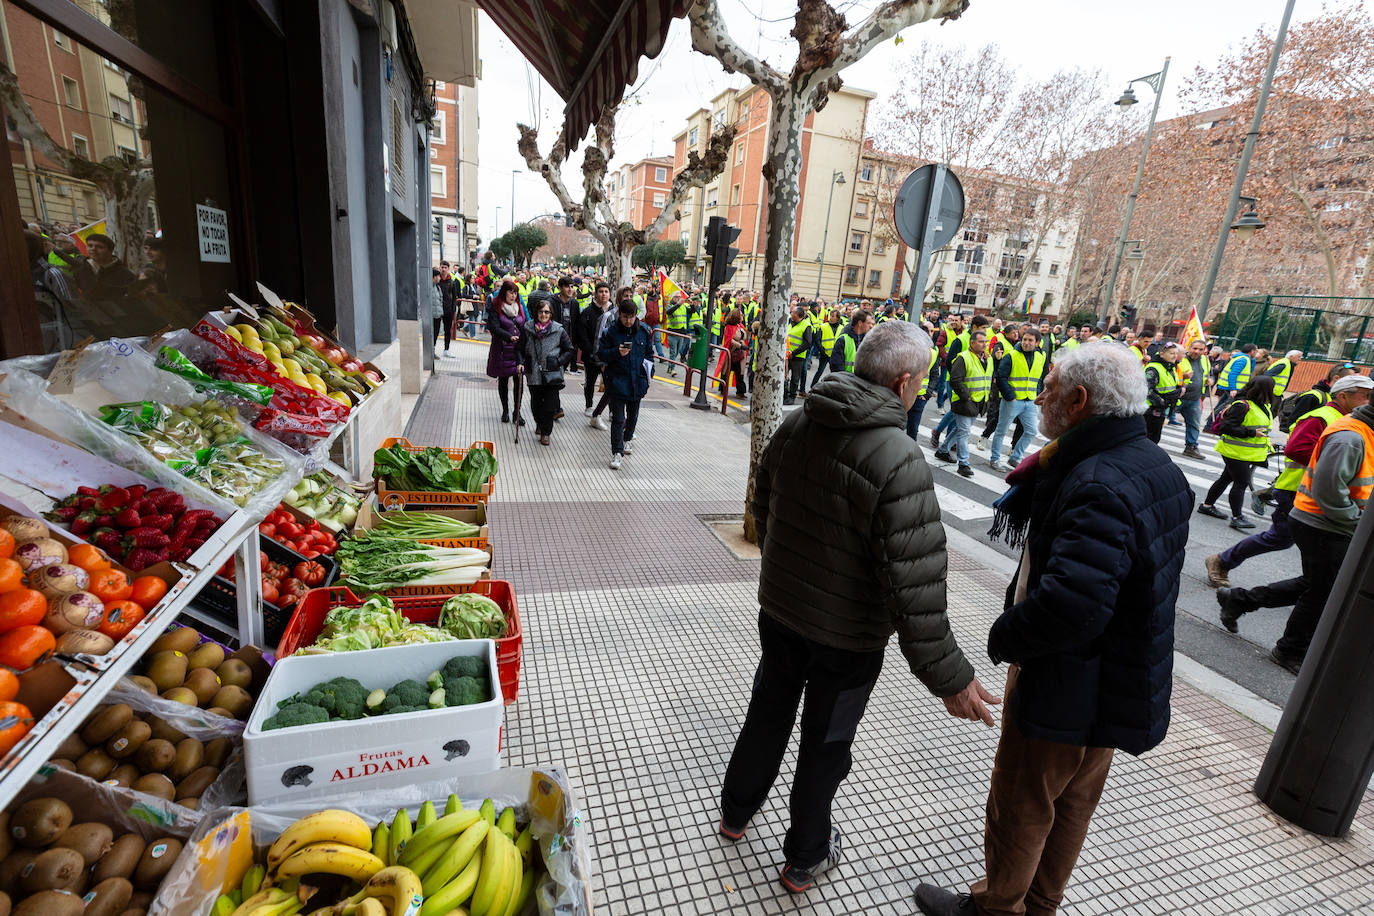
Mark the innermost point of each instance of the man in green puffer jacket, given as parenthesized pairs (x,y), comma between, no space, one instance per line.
(853,551)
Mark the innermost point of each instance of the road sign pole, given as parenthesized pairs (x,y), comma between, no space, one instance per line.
(934,197)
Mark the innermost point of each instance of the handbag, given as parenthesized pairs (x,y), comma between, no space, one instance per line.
(739,346)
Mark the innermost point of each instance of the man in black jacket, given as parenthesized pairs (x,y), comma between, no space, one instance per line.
(584,337)
(831,596)
(1088,627)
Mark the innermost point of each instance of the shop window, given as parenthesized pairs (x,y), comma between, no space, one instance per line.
(851,276)
(71,92)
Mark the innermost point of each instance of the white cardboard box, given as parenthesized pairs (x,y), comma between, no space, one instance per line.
(358,755)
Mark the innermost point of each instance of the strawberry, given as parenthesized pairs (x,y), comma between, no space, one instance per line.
(145,506)
(181,555)
(86,502)
(107,539)
(83,524)
(112,498)
(88,491)
(162,523)
(149,538)
(103,519)
(128,518)
(139,558)
(65,513)
(165,499)
(137,491)
(193,544)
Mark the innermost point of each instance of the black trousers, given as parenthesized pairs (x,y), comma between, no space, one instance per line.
(994,409)
(796,376)
(624,419)
(589,385)
(837,683)
(1322,554)
(1154,423)
(503,389)
(1235,474)
(544,405)
(450,312)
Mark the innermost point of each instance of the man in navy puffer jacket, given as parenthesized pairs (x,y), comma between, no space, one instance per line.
(1088,627)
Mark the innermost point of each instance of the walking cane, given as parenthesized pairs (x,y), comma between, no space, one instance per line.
(519,389)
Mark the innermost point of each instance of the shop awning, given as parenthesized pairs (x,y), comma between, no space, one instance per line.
(588,50)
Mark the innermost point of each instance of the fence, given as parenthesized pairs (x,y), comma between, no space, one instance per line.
(1331,329)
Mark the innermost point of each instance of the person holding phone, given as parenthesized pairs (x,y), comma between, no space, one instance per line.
(545,352)
(624,346)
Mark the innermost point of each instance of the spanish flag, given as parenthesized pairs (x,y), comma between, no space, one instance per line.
(1193,330)
(667,288)
(79,236)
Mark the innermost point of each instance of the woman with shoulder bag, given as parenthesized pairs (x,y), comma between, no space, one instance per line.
(735,341)
(1243,445)
(505,324)
(545,352)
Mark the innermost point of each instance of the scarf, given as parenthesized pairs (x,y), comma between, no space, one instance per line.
(541,327)
(1011,512)
(510,308)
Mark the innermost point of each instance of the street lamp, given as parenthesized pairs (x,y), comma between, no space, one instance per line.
(836,177)
(513,173)
(1250,223)
(1156,82)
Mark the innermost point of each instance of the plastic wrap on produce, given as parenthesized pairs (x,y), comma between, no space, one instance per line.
(542,796)
(124,810)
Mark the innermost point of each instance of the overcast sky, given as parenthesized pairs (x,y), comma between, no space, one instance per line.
(1124,40)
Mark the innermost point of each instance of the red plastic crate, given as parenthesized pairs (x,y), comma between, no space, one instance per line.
(308,620)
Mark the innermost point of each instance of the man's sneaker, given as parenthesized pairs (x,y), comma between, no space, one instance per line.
(936,901)
(1216,573)
(799,880)
(587,412)
(788,402)
(1192,452)
(599,423)
(997,464)
(965,471)
(731,833)
(1291,665)
(1175,422)
(629,447)
(615,462)
(1241,523)
(1213,511)
(981,443)
(945,456)
(560,415)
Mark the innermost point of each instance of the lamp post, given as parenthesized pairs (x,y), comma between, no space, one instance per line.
(513,173)
(836,177)
(1246,226)
(1137,258)
(1156,82)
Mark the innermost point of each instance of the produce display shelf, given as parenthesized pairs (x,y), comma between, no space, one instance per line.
(80,701)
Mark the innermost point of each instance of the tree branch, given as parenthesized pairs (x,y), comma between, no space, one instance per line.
(710,37)
(698,171)
(549,167)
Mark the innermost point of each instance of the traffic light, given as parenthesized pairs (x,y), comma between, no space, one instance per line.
(437,230)
(719,236)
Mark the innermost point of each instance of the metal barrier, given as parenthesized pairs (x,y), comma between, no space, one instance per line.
(1322,327)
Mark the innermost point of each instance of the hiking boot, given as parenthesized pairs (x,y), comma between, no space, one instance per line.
(1213,511)
(1231,611)
(799,880)
(935,438)
(1192,452)
(1241,523)
(1216,573)
(731,833)
(936,901)
(1287,663)
(615,462)
(945,456)
(965,471)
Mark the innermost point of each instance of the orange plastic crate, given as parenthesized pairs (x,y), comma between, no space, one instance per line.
(400,499)
(308,620)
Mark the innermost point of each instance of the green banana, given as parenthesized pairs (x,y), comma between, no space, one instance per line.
(252,880)
(506,823)
(401,832)
(524,844)
(381,842)
(526,890)
(425,860)
(488,810)
(455,858)
(456,892)
(236,895)
(426,816)
(454,804)
(224,905)
(445,827)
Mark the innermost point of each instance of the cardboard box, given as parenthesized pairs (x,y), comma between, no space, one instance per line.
(476,514)
(425,499)
(376,752)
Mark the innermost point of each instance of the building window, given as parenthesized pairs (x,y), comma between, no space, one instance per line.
(890,175)
(964,293)
(969,258)
(659,200)
(1011,266)
(879,247)
(71,92)
(130,156)
(438,181)
(1059,239)
(975,231)
(1054,269)
(866,173)
(851,276)
(440,131)
(660,174)
(875,278)
(939,287)
(734,196)
(713,197)
(1035,268)
(692,136)
(62,41)
(739,154)
(685,238)
(80,146)
(718,121)
(398,149)
(121,109)
(856,241)
(861,209)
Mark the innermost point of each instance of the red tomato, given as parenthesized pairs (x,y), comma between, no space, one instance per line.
(269,593)
(267,529)
(289,529)
(309,572)
(294,587)
(286,601)
(309,553)
(263,561)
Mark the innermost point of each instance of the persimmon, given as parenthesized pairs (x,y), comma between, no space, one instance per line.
(6,543)
(9,685)
(88,557)
(120,617)
(148,591)
(22,607)
(19,720)
(23,647)
(11,575)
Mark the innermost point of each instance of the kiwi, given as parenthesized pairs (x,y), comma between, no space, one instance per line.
(192,803)
(155,784)
(141,900)
(128,739)
(109,897)
(50,903)
(123,775)
(95,763)
(5,905)
(55,869)
(235,671)
(71,747)
(11,866)
(206,655)
(156,861)
(204,683)
(252,655)
(180,639)
(238,701)
(91,839)
(105,722)
(143,683)
(39,821)
(220,711)
(121,860)
(155,755)
(190,753)
(164,731)
(62,763)
(181,695)
(167,669)
(194,786)
(217,752)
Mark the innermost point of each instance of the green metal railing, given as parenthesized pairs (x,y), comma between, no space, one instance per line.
(1322,327)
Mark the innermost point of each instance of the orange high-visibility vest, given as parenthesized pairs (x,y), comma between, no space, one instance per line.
(1363,482)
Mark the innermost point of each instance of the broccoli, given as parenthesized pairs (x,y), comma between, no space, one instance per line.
(464,691)
(436,699)
(463,666)
(290,714)
(342,698)
(407,693)
(375,699)
(397,709)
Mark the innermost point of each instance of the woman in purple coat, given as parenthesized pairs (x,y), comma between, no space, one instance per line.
(505,324)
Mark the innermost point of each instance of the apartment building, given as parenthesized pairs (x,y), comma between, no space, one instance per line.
(453,173)
(637,192)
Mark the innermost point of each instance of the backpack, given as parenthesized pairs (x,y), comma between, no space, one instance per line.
(1214,424)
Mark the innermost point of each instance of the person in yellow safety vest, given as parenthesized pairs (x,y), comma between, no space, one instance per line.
(1235,375)
(815,314)
(847,344)
(1297,455)
(1319,395)
(1141,348)
(799,335)
(675,320)
(970,380)
(1243,445)
(1019,376)
(1282,370)
(913,415)
(1162,388)
(823,343)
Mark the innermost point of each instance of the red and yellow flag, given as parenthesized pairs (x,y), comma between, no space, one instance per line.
(667,288)
(1192,330)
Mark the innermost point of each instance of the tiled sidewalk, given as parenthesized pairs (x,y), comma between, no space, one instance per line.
(640,645)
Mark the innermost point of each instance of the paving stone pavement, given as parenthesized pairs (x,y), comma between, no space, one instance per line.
(639,651)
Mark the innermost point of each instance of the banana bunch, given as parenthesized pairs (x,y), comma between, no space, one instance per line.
(329,842)
(254,898)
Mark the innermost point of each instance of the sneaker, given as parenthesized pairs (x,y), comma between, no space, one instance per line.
(731,833)
(1192,452)
(1175,422)
(629,447)
(1216,573)
(936,901)
(965,471)
(945,456)
(981,443)
(799,880)
(1241,523)
(587,412)
(560,415)
(615,462)
(600,423)
(934,438)
(1213,511)
(1292,665)
(788,402)
(998,464)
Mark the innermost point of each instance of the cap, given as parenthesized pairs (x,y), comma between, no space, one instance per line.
(1350,382)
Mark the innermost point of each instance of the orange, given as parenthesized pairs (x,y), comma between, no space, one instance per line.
(9,685)
(25,646)
(148,591)
(12,735)
(6,543)
(120,618)
(110,585)
(11,575)
(90,558)
(22,607)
